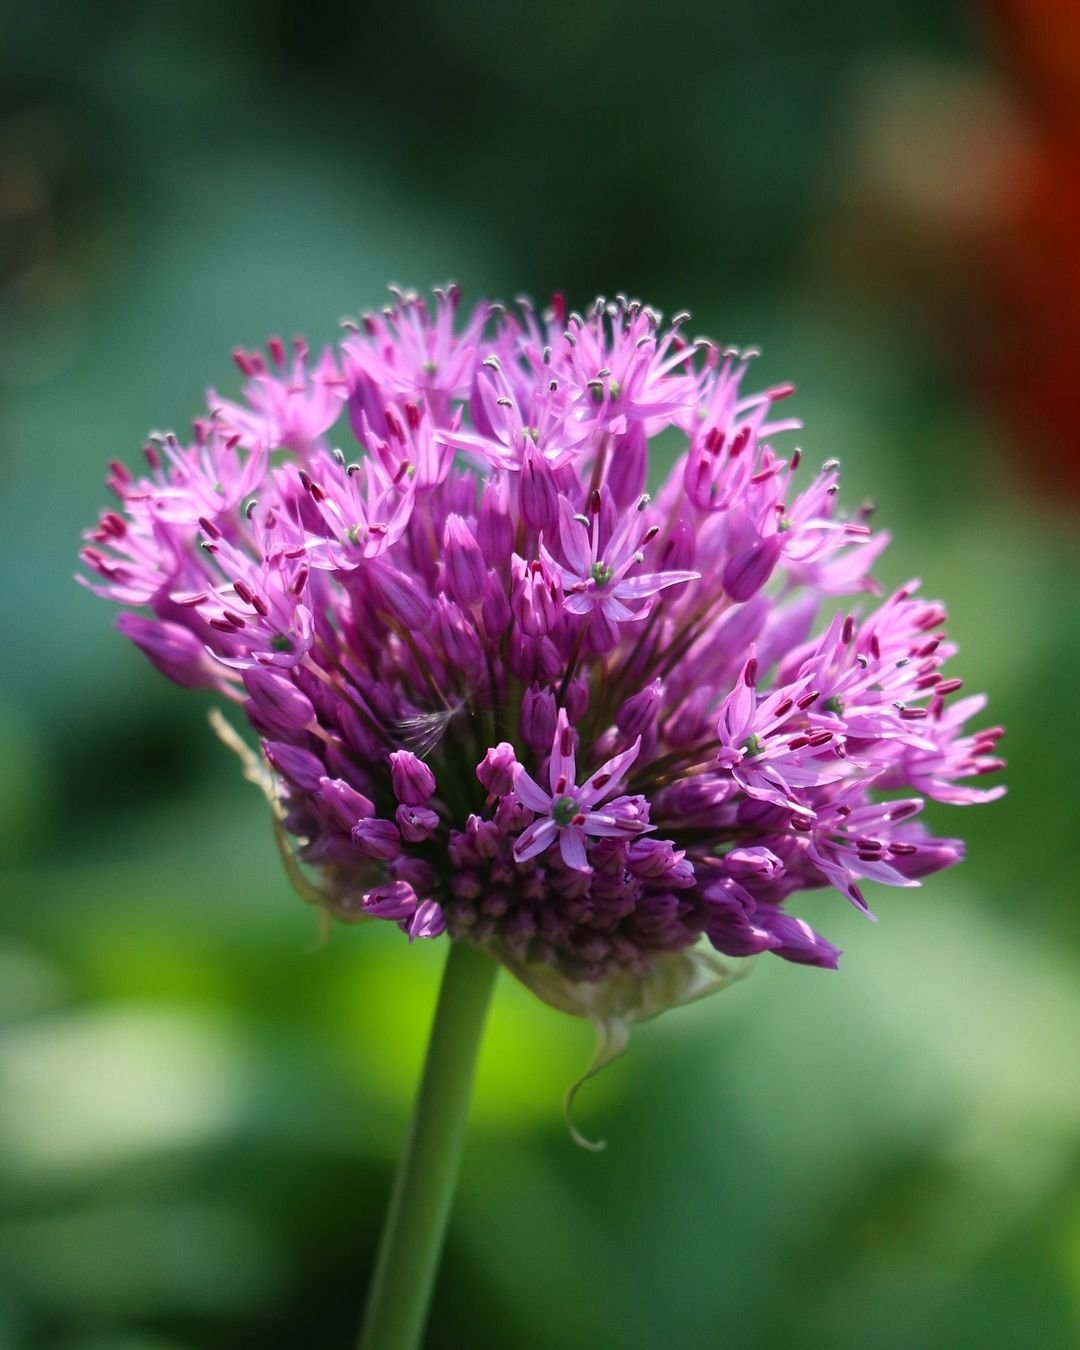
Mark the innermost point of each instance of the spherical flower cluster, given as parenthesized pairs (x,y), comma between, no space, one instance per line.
(505,692)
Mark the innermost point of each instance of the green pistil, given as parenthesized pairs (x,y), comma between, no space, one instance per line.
(784,526)
(601,573)
(281,643)
(753,745)
(352,534)
(834,705)
(563,810)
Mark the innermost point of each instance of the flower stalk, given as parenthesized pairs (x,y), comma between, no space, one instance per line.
(427,1173)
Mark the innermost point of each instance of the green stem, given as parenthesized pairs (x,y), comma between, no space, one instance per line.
(424,1187)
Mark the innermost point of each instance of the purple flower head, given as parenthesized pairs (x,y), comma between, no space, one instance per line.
(502,693)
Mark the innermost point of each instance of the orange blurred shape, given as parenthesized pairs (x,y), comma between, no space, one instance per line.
(1032,368)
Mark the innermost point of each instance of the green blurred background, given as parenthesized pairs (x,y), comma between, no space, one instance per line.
(200,1102)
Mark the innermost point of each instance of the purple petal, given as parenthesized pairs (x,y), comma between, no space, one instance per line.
(608,776)
(562,773)
(572,846)
(530,792)
(429,921)
(637,588)
(573,537)
(539,836)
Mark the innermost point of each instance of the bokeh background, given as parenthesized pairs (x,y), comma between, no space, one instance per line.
(200,1102)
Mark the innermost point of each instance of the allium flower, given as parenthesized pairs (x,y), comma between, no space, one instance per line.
(567,813)
(504,693)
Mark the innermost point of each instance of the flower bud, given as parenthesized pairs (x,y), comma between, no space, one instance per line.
(539,496)
(689,722)
(603,632)
(538,715)
(757,862)
(479,399)
(416,823)
(679,549)
(300,767)
(609,857)
(628,467)
(400,594)
(549,662)
(576,699)
(658,860)
(748,571)
(395,900)
(484,837)
(466,573)
(459,639)
(496,770)
(428,921)
(359,733)
(512,815)
(638,714)
(173,650)
(495,612)
(412,780)
(534,597)
(731,920)
(283,708)
(795,940)
(495,529)
(378,838)
(345,804)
